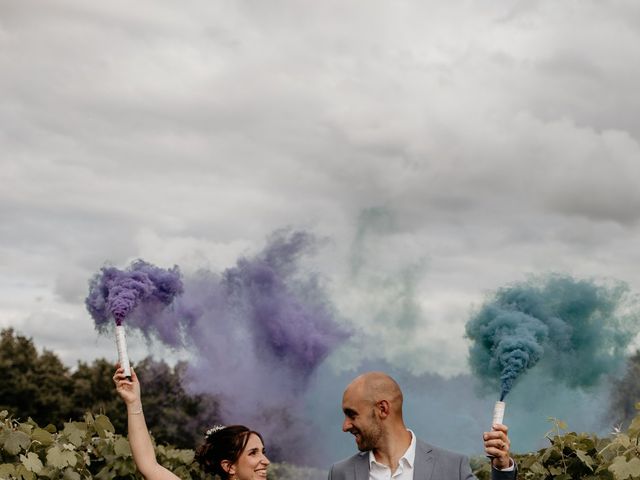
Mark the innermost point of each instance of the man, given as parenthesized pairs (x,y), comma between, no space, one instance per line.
(372,406)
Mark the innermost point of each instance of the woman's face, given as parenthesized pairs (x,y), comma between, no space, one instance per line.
(252,464)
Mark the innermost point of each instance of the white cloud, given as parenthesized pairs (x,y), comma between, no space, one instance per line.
(502,138)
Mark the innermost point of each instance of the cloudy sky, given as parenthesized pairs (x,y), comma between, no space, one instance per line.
(440,150)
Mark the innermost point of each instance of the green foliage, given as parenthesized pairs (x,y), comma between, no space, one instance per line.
(92,449)
(80,450)
(579,456)
(37,384)
(41,389)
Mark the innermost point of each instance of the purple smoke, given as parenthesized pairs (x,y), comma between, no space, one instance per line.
(257,333)
(297,325)
(118,293)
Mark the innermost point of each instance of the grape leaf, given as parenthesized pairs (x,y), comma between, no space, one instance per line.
(537,468)
(42,436)
(122,448)
(16,441)
(58,458)
(69,474)
(25,427)
(7,470)
(74,433)
(622,469)
(555,471)
(22,472)
(88,419)
(32,462)
(623,439)
(103,425)
(51,428)
(586,459)
(186,456)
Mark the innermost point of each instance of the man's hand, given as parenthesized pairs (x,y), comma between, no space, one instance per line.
(496,445)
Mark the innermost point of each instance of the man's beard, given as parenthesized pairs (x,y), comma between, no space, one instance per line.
(370,439)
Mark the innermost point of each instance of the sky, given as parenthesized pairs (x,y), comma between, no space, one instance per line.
(437,150)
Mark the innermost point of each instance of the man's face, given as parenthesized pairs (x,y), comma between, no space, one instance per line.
(361,420)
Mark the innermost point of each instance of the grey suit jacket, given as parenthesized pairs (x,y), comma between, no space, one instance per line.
(431,463)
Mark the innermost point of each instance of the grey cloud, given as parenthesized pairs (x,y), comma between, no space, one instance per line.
(498,140)
(576,65)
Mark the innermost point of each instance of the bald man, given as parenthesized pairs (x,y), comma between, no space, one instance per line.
(372,406)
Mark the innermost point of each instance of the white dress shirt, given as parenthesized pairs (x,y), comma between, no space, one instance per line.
(378,471)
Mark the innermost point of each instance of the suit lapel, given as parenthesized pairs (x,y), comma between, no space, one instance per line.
(424,462)
(362,466)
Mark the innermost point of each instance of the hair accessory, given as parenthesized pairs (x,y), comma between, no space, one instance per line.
(212,430)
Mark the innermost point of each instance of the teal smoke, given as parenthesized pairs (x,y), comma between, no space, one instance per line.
(575,329)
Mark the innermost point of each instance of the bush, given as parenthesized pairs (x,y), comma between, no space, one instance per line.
(81,450)
(579,456)
(91,449)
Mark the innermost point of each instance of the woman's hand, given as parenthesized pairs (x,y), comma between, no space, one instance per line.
(129,390)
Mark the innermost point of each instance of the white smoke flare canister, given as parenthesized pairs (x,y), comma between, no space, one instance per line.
(498,416)
(498,413)
(123,357)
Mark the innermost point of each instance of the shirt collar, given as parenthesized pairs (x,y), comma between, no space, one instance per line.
(409,456)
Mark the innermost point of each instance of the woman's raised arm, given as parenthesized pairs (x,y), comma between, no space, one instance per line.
(139,439)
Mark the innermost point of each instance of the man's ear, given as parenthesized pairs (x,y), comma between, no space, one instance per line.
(383,408)
(228,467)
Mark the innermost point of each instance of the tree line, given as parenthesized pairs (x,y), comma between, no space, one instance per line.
(39,386)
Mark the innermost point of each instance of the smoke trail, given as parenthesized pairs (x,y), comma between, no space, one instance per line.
(574,329)
(116,293)
(257,332)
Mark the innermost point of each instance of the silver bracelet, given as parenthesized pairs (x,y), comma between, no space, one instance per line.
(137,412)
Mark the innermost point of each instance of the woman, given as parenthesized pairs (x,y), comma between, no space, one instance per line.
(233,453)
